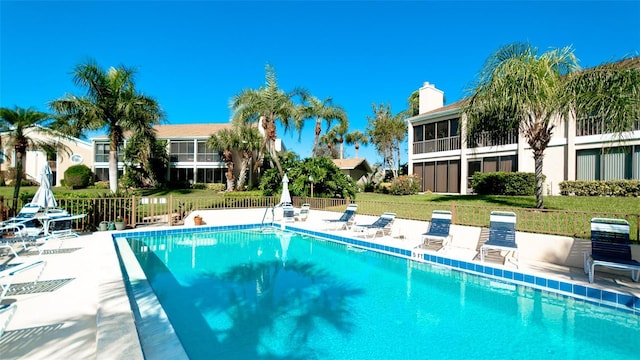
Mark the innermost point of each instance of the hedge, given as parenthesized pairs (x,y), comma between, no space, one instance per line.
(600,187)
(504,183)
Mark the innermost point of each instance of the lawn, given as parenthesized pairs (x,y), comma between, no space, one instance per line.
(625,205)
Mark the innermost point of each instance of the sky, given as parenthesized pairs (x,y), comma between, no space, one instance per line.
(194,56)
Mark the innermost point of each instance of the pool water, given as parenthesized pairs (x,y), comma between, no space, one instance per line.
(278,295)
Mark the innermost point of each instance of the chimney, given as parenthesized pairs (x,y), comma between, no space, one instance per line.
(430,98)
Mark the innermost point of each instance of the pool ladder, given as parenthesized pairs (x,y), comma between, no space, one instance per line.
(272,214)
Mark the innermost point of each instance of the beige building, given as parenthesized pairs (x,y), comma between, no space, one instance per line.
(73,151)
(356,168)
(578,150)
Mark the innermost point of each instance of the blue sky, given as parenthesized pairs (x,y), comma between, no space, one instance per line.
(194,56)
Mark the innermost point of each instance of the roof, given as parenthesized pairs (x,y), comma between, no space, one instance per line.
(184,131)
(350,164)
(189,130)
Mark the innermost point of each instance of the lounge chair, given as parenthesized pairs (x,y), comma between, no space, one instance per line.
(27,217)
(381,226)
(345,221)
(610,247)
(304,212)
(438,229)
(288,213)
(9,271)
(502,235)
(62,226)
(12,234)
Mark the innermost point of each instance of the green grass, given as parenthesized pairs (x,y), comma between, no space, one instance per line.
(626,205)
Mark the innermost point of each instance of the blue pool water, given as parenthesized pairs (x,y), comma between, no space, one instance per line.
(252,295)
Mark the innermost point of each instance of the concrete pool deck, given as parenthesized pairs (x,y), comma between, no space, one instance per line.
(86,312)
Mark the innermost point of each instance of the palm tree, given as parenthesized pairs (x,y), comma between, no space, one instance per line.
(324,110)
(519,90)
(111,102)
(250,141)
(356,138)
(18,123)
(226,140)
(266,106)
(329,139)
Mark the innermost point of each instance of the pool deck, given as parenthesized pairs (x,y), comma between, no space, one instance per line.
(85,312)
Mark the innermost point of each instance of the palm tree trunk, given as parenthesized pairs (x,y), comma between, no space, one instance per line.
(315,140)
(538,156)
(244,166)
(113,171)
(274,156)
(230,179)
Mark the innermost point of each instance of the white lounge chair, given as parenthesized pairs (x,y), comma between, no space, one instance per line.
(6,313)
(288,213)
(502,236)
(610,247)
(304,212)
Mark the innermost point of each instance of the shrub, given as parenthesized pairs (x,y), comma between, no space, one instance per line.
(600,188)
(78,177)
(504,183)
(405,185)
(216,187)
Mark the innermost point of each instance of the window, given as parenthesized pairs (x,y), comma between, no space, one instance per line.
(102,152)
(206,154)
(181,151)
(430,131)
(181,174)
(616,163)
(211,175)
(102,174)
(418,133)
(443,129)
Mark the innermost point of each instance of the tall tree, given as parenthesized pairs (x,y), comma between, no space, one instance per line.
(387,132)
(18,123)
(266,106)
(112,103)
(327,111)
(519,90)
(226,140)
(356,138)
(327,144)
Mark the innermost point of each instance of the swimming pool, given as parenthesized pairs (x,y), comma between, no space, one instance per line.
(247,294)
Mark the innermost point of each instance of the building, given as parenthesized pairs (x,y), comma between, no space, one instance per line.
(190,160)
(72,151)
(356,168)
(578,150)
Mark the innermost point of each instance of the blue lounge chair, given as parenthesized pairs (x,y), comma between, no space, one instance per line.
(502,235)
(288,213)
(346,220)
(438,228)
(610,247)
(381,226)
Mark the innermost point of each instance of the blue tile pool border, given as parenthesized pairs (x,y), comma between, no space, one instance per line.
(622,301)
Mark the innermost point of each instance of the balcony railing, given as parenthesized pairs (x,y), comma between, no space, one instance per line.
(442,144)
(485,139)
(596,126)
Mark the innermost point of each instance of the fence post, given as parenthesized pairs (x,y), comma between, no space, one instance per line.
(170,210)
(454,215)
(133,211)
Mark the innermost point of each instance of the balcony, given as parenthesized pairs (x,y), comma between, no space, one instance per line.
(442,144)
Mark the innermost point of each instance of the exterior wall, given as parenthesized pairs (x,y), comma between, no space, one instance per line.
(36,158)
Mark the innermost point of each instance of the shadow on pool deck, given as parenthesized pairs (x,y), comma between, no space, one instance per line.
(91,317)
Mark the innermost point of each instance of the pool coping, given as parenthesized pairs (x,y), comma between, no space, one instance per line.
(159,341)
